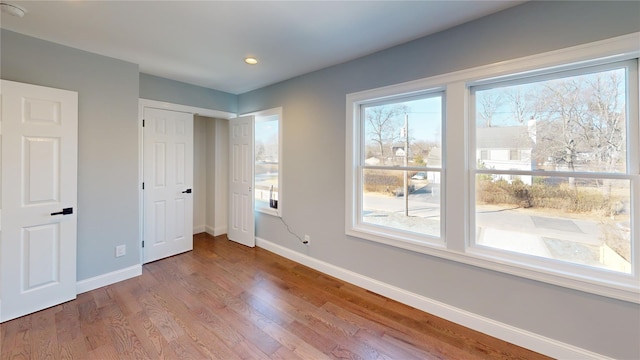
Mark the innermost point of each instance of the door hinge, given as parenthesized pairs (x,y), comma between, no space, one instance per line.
(142,243)
(142,186)
(142,122)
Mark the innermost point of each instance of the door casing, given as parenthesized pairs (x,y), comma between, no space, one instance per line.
(142,103)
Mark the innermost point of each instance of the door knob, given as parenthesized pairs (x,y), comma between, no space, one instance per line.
(188,191)
(65,211)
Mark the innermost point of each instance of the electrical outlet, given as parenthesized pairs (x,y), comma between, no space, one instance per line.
(121,250)
(307,239)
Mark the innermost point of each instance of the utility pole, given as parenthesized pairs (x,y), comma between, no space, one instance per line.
(406,163)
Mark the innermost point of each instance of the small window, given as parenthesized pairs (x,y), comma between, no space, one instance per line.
(267,167)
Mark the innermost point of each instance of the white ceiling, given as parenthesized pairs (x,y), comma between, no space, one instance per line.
(204,42)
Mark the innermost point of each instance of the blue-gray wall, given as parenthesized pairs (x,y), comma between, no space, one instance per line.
(314,185)
(107,142)
(109,89)
(176,92)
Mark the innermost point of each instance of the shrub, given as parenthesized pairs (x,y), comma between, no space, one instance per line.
(382,181)
(562,196)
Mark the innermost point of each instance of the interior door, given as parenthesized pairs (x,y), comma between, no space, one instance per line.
(39,195)
(241,227)
(168,183)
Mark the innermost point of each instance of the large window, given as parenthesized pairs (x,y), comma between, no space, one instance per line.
(529,167)
(567,197)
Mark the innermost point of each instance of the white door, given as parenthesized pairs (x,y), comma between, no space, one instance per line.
(241,227)
(168,183)
(39,195)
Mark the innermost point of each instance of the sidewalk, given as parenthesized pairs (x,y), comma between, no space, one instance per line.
(572,240)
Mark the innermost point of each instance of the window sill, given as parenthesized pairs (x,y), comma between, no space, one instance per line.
(541,270)
(268,211)
(399,240)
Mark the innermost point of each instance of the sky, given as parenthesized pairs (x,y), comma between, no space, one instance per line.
(425,119)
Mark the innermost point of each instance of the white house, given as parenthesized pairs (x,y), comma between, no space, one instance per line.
(505,148)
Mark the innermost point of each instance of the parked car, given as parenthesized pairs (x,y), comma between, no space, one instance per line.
(419,176)
(400,190)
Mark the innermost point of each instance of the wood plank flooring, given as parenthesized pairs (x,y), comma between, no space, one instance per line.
(226,301)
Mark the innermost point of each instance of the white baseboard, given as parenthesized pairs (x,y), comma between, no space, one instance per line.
(219,230)
(99,281)
(215,231)
(198,229)
(511,334)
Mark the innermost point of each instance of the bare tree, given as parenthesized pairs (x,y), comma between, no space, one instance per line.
(560,122)
(520,105)
(604,126)
(488,104)
(583,115)
(260,150)
(267,150)
(383,125)
(578,121)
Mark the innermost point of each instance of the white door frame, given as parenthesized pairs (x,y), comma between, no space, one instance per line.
(146,103)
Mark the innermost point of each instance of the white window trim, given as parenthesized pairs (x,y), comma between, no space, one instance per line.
(384,234)
(353,201)
(264,113)
(456,204)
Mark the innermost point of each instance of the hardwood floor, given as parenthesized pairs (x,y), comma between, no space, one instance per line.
(226,301)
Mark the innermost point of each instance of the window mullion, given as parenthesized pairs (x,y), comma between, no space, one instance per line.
(456,179)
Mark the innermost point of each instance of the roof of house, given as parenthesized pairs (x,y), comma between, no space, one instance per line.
(505,137)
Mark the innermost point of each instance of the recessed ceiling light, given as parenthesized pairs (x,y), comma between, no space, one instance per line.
(251,60)
(13,10)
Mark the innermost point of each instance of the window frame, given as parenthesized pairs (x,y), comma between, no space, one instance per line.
(354,199)
(632,172)
(458,167)
(261,116)
(398,235)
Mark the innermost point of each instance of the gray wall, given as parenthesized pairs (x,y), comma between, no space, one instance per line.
(109,90)
(161,89)
(107,142)
(209,182)
(314,145)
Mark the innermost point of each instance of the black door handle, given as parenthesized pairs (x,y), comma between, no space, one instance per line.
(188,191)
(65,211)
